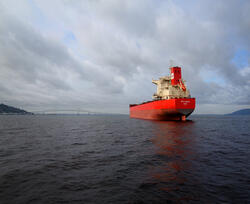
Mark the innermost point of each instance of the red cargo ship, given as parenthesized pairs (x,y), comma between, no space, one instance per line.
(172,101)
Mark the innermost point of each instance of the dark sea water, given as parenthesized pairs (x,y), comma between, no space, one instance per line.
(115,159)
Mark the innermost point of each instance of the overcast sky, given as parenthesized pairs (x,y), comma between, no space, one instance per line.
(101,55)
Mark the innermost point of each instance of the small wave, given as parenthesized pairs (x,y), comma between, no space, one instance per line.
(79,144)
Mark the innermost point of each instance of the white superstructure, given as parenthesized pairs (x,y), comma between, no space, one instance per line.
(171,87)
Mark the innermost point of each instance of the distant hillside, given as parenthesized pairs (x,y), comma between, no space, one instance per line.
(4,109)
(241,112)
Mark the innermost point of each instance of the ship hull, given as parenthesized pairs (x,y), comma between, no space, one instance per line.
(169,109)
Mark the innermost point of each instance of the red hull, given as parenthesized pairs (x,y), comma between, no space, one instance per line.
(169,109)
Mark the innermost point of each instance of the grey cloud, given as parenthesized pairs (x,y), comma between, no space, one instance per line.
(125,45)
(27,55)
(31,58)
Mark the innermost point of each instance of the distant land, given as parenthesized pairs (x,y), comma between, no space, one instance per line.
(241,112)
(5,109)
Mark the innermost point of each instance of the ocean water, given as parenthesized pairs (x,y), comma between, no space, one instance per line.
(115,159)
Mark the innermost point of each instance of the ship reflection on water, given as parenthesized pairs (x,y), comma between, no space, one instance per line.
(175,149)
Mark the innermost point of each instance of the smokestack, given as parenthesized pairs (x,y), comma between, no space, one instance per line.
(175,75)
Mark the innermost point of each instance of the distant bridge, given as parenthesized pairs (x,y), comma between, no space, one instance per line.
(65,111)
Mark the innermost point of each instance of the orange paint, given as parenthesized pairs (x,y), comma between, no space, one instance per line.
(169,109)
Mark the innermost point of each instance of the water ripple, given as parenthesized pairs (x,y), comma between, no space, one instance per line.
(115,159)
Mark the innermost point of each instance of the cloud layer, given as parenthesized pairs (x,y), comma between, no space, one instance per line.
(101,55)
